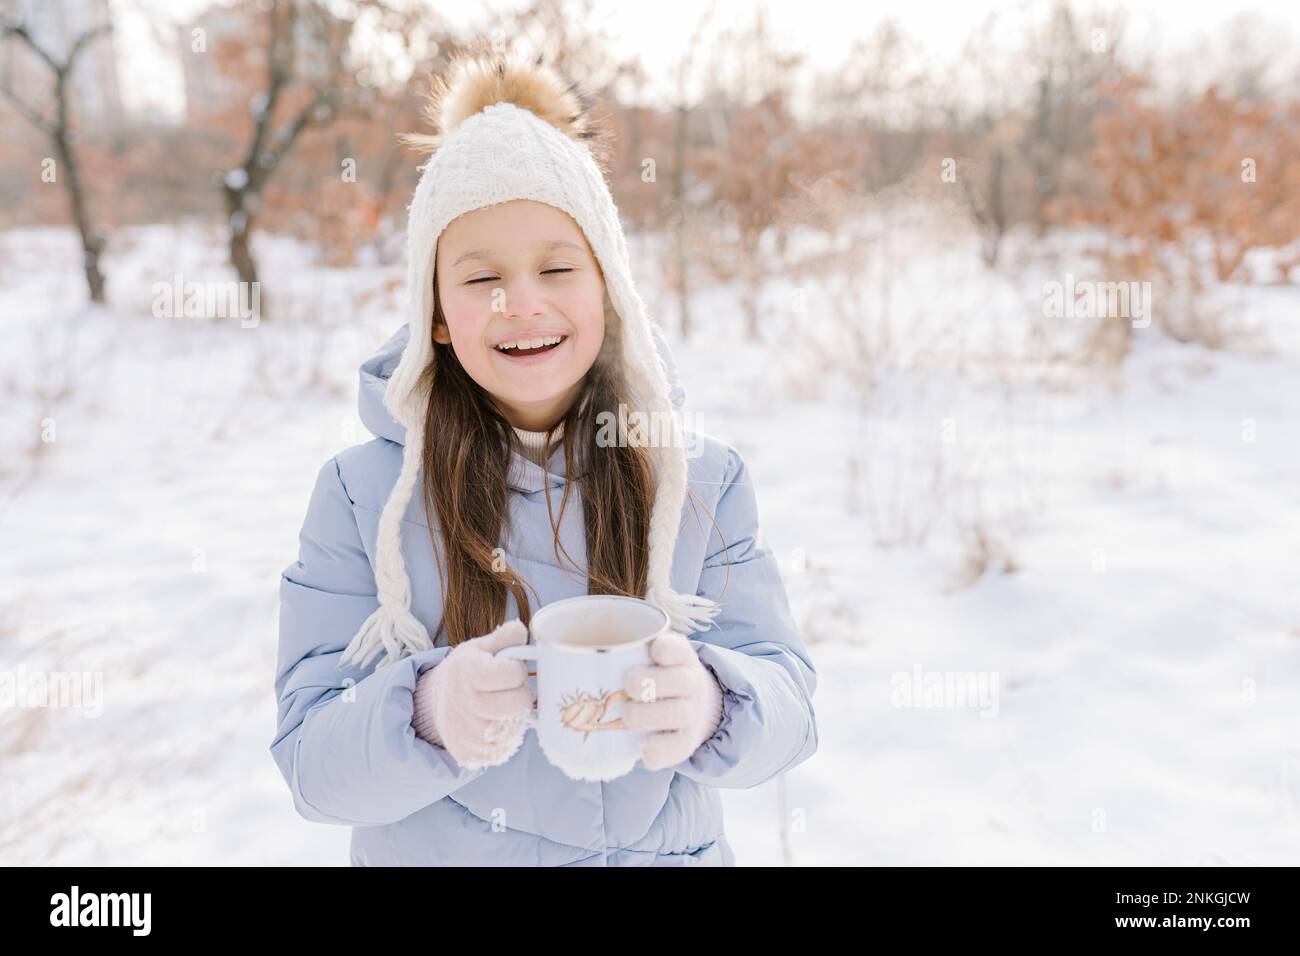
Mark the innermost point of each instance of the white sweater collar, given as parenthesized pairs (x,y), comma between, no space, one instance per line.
(534,444)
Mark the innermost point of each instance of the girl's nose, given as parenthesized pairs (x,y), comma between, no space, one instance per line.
(524,299)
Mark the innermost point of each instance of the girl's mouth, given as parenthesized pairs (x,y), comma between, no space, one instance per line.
(521,354)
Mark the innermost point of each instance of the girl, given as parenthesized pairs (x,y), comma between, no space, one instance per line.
(526,345)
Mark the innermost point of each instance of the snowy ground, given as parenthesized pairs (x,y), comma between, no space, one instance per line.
(1134,619)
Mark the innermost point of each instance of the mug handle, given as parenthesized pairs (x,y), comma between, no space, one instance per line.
(523,652)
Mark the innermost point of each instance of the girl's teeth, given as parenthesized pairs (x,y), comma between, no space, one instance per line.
(531,343)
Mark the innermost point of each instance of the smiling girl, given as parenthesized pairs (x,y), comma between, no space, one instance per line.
(525,336)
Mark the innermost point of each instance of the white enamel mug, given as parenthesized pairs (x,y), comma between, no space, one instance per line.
(583,648)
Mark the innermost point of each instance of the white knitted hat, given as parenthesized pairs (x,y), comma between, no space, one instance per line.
(489,154)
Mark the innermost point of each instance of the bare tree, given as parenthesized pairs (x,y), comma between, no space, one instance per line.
(59,129)
(1070,55)
(570,34)
(243,186)
(882,96)
(753,169)
(681,142)
(987,205)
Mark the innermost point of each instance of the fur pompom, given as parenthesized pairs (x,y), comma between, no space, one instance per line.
(480,76)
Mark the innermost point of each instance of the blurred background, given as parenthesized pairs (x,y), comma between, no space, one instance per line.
(1000,303)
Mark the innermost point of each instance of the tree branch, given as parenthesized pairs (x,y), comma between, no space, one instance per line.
(17,29)
(60,68)
(83,41)
(32,115)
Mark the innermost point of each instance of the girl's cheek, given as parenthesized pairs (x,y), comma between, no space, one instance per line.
(591,306)
(466,320)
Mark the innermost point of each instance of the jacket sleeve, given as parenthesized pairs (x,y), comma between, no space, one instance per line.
(755,651)
(344,741)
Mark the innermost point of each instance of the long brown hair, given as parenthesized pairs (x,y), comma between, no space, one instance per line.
(466,457)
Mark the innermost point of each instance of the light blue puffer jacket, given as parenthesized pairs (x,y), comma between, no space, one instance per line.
(344,741)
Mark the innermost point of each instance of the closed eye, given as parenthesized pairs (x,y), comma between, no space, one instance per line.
(493,278)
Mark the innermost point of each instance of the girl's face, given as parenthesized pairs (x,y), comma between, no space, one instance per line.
(521,272)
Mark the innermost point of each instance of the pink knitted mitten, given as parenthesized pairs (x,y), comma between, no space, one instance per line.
(677,698)
(473,705)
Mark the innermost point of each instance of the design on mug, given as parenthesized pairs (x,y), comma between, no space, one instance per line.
(583,712)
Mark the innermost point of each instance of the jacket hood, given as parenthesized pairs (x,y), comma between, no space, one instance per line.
(376,371)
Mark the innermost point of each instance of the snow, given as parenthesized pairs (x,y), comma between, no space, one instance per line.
(1136,614)
(237,179)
